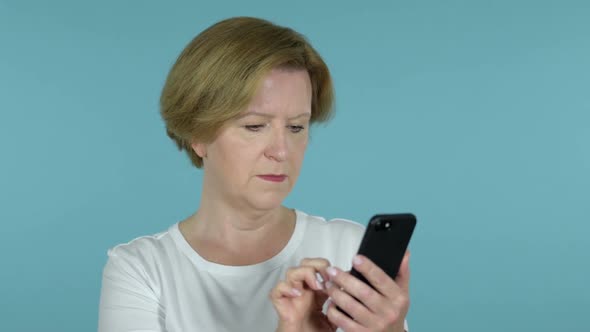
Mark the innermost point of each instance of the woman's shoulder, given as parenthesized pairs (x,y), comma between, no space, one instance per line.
(334,225)
(139,262)
(143,248)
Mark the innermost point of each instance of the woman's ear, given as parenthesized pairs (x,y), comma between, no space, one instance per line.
(200,149)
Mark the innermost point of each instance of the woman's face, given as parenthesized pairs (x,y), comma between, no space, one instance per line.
(255,160)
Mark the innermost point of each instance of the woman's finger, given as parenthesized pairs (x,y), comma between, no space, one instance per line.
(320,264)
(403,276)
(305,274)
(284,289)
(350,305)
(339,319)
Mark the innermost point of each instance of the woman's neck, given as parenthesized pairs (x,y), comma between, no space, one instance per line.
(226,236)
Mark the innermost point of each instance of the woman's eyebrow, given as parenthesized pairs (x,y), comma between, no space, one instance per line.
(267,115)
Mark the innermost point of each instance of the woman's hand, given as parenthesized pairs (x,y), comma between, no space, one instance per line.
(299,299)
(381,309)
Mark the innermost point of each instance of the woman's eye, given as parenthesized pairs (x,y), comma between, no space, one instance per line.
(296,129)
(255,127)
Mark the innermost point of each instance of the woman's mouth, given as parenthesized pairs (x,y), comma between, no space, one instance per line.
(273,177)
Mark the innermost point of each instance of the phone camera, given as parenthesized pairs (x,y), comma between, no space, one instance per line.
(383,225)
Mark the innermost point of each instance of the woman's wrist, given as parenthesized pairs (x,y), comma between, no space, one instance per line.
(296,327)
(288,328)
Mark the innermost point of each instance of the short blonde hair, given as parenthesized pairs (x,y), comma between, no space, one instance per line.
(219,71)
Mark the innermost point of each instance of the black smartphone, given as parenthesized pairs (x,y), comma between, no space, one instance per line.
(385,242)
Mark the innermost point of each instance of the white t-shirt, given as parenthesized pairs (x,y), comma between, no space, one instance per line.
(159,283)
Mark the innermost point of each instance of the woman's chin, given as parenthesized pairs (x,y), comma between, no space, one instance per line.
(268,201)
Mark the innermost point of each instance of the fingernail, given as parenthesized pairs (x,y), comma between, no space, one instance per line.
(357,260)
(319,278)
(296,292)
(332,271)
(328,284)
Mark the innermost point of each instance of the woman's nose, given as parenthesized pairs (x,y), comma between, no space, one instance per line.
(277,146)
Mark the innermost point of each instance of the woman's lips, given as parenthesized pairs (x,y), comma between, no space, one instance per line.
(273,177)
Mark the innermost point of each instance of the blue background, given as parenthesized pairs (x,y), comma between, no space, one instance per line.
(474,115)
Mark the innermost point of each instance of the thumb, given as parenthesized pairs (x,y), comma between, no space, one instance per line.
(403,276)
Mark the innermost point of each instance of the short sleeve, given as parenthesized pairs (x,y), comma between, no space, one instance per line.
(127,302)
